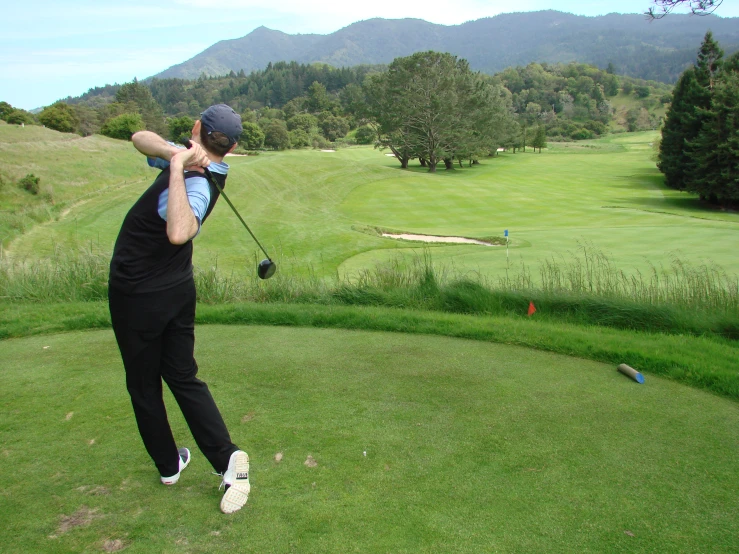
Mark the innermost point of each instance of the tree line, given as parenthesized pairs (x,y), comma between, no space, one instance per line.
(699,150)
(291,105)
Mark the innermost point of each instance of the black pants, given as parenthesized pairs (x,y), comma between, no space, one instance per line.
(156,336)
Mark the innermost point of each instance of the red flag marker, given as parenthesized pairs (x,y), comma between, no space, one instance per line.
(532,308)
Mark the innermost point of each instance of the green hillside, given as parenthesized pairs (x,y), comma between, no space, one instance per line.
(72,171)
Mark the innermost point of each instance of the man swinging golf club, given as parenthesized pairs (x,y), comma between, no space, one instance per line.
(152,300)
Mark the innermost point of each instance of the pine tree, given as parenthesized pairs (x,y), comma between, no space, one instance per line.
(140,96)
(690,102)
(681,125)
(714,167)
(708,63)
(540,138)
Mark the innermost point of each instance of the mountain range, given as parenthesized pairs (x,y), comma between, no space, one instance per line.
(658,50)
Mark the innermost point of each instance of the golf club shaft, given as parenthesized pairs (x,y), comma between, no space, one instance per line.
(209,176)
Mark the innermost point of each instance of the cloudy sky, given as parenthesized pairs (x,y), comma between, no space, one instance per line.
(51,49)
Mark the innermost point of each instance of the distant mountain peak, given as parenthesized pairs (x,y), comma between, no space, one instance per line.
(657,50)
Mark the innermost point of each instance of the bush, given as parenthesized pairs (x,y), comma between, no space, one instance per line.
(303,121)
(299,138)
(320,142)
(123,126)
(276,135)
(344,142)
(30,183)
(252,137)
(179,126)
(581,134)
(60,117)
(5,110)
(334,127)
(598,127)
(365,135)
(19,117)
(642,91)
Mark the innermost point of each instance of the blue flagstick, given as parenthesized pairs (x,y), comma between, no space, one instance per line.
(505,234)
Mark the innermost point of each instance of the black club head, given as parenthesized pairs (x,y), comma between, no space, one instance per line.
(266,269)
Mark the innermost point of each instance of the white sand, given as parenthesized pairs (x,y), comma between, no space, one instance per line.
(328,150)
(431,238)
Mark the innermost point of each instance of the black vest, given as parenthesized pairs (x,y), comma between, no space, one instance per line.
(143,258)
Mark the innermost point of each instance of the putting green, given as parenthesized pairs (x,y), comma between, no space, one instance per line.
(470,447)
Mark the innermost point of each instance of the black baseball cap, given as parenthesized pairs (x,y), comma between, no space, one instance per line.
(222,119)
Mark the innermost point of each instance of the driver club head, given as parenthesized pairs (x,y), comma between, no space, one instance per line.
(266,269)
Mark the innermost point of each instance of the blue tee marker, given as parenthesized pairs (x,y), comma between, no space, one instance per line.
(631,372)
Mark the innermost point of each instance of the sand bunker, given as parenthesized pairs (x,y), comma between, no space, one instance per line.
(431,238)
(328,150)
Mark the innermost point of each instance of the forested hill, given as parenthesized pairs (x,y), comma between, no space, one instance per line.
(657,50)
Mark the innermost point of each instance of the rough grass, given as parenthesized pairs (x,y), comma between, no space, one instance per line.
(586,289)
(72,171)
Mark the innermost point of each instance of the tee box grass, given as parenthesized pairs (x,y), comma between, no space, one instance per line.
(387,442)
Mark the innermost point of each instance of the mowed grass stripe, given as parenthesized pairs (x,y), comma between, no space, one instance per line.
(469,446)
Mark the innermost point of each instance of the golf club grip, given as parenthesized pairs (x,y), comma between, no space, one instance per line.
(212,181)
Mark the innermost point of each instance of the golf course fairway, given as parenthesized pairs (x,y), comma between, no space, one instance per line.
(318,213)
(388,442)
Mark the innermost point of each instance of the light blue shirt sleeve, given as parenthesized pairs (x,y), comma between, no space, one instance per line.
(159,163)
(198,194)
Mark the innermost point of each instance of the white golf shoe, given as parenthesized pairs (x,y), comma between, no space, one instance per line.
(236,481)
(184,454)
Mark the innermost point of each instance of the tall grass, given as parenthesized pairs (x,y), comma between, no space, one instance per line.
(589,271)
(79,275)
(584,288)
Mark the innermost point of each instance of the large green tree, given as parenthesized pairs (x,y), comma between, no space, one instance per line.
(332,126)
(714,166)
(88,118)
(708,64)
(431,106)
(684,119)
(16,116)
(252,136)
(682,124)
(140,95)
(5,109)
(60,117)
(276,135)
